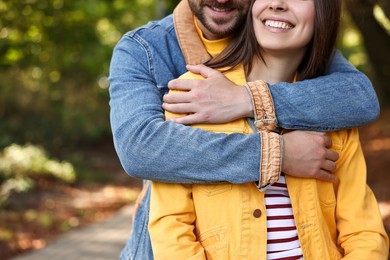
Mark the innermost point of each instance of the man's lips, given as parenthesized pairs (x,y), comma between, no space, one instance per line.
(220,9)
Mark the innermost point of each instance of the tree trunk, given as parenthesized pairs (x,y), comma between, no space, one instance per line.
(376,42)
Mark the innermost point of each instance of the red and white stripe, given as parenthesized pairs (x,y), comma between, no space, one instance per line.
(282,235)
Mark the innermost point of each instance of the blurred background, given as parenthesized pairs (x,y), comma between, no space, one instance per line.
(58,169)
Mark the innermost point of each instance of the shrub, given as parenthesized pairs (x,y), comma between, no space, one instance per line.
(19,164)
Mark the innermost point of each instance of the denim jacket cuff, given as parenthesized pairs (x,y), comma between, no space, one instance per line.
(271,159)
(263,105)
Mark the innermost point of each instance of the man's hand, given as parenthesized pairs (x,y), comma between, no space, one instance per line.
(214,99)
(307,155)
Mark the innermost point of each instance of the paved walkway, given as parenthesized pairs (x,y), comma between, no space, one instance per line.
(102,240)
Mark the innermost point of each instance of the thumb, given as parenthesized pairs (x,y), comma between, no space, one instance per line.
(203,70)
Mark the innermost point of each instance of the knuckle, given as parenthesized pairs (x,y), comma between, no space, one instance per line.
(337,155)
(313,172)
(325,140)
(205,117)
(196,96)
(172,83)
(321,154)
(168,98)
(199,83)
(322,140)
(199,96)
(183,121)
(333,155)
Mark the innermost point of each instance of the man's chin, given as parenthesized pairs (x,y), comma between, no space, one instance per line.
(222,27)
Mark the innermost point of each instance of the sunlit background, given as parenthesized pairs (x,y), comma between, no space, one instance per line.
(58,170)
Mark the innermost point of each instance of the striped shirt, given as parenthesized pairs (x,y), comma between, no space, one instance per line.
(282,235)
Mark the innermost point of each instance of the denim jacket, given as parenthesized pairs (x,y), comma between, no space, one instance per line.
(143,63)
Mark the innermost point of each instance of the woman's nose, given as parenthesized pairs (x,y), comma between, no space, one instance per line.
(278,5)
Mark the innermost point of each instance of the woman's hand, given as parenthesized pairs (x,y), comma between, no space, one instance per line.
(214,99)
(307,154)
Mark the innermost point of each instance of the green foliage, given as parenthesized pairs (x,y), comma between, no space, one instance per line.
(351,44)
(54,60)
(19,165)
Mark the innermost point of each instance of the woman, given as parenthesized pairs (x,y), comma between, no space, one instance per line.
(294,218)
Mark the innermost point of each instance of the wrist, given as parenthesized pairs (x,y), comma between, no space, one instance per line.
(247,104)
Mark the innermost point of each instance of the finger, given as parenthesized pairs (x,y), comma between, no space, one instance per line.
(181,108)
(187,120)
(331,155)
(181,84)
(329,166)
(315,133)
(202,70)
(328,142)
(177,97)
(325,176)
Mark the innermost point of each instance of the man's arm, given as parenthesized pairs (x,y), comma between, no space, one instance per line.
(343,98)
(151,148)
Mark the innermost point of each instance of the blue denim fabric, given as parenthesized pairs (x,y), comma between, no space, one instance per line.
(139,246)
(343,99)
(143,62)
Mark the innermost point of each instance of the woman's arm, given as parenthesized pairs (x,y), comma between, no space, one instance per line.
(343,98)
(360,227)
(172,223)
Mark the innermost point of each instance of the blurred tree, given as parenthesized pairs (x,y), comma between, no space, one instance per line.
(165,7)
(376,39)
(54,59)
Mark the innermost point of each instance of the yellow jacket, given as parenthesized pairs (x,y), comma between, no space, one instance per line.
(334,221)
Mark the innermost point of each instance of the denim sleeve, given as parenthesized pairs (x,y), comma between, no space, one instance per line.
(151,148)
(343,98)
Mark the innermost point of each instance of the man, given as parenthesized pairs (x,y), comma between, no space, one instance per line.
(145,60)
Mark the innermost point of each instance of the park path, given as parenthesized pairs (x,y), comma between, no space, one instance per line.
(103,240)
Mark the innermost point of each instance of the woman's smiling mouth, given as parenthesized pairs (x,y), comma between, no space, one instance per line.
(278,24)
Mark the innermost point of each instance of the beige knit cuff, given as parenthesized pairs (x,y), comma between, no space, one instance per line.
(263,105)
(271,159)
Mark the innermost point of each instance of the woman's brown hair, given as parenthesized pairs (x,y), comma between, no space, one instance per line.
(243,46)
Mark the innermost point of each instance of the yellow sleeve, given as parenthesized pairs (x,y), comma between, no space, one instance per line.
(359,222)
(171,223)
